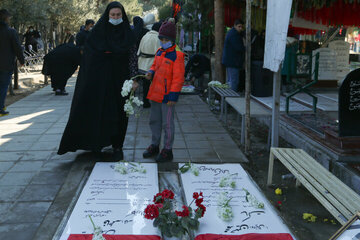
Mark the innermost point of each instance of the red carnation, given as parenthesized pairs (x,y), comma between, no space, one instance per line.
(160,200)
(183,213)
(151,211)
(167,194)
(201,194)
(196,195)
(201,207)
(199,201)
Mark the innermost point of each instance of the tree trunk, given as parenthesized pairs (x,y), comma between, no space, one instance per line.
(247,75)
(219,39)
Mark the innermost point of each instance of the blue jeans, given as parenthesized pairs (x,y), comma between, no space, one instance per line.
(5,78)
(232,78)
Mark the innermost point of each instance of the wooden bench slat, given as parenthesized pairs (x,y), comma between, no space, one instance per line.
(318,185)
(337,214)
(334,185)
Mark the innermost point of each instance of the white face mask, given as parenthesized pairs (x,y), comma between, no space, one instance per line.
(115,21)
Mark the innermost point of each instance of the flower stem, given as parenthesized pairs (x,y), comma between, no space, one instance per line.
(137,76)
(92,222)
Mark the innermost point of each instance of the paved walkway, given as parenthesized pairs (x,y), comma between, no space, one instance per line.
(37,186)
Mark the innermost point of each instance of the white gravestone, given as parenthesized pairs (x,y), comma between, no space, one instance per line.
(327,64)
(342,49)
(115,202)
(247,219)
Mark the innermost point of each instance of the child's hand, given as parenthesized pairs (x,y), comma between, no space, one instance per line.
(171,103)
(148,76)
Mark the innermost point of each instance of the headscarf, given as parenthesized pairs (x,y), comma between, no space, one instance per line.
(138,27)
(106,37)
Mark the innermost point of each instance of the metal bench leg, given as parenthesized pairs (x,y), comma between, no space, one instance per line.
(271,168)
(221,108)
(226,109)
(242,129)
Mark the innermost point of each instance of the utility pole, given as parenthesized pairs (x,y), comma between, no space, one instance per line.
(247,76)
(219,39)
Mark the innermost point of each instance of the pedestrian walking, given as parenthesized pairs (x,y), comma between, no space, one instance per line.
(167,74)
(9,49)
(233,54)
(84,33)
(149,44)
(97,118)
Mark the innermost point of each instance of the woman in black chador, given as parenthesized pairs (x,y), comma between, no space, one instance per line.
(97,118)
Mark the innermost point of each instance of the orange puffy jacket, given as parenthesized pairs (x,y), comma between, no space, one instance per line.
(168,72)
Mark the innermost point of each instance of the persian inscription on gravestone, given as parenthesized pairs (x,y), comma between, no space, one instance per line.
(247,218)
(327,64)
(341,49)
(115,202)
(349,105)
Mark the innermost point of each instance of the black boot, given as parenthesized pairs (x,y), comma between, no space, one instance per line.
(166,155)
(151,151)
(118,154)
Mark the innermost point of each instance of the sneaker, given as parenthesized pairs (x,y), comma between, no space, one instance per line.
(118,154)
(3,112)
(151,151)
(166,155)
(61,93)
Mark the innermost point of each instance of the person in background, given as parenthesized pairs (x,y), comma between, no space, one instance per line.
(149,20)
(9,49)
(139,29)
(30,39)
(97,117)
(149,44)
(167,74)
(196,67)
(69,37)
(233,54)
(84,33)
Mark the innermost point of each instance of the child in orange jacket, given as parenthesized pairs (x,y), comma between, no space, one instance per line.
(167,74)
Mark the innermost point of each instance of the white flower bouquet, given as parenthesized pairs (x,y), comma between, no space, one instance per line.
(224,210)
(124,167)
(217,84)
(253,200)
(132,104)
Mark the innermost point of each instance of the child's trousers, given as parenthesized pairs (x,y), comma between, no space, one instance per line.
(162,117)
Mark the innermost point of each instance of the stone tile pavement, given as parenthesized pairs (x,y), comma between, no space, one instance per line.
(37,186)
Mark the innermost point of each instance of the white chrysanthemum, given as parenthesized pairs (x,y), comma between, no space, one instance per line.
(128,108)
(140,168)
(224,181)
(214,84)
(121,168)
(194,169)
(127,87)
(253,200)
(225,213)
(98,234)
(137,101)
(224,210)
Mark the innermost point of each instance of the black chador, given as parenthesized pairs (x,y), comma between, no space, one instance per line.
(60,64)
(97,118)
